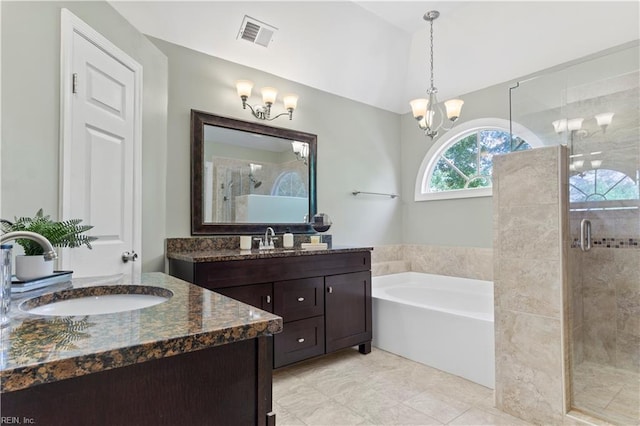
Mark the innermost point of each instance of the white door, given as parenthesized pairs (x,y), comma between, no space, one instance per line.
(100,155)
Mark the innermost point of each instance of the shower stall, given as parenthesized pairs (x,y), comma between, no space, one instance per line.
(593,108)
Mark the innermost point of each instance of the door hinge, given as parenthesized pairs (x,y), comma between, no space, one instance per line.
(74,83)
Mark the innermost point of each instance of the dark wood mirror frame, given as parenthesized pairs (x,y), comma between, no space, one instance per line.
(198,227)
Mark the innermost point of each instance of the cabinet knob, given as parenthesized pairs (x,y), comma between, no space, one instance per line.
(301,340)
(268,299)
(300,299)
(329,289)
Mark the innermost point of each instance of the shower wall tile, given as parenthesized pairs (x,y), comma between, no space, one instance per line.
(530,231)
(611,315)
(628,292)
(528,179)
(628,352)
(599,325)
(577,345)
(529,283)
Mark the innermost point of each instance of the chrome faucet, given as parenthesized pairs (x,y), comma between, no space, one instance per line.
(269,239)
(49,251)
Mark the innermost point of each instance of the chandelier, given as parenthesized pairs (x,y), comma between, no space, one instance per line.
(427,111)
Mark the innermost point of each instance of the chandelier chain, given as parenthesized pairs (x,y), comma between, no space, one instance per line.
(431,56)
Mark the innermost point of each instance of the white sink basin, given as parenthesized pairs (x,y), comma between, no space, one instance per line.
(96,300)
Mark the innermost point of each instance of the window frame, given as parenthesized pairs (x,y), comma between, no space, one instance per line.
(440,146)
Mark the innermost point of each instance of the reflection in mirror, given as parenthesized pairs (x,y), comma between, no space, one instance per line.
(247,176)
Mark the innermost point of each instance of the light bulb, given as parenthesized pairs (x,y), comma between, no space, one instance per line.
(244,87)
(290,102)
(454,108)
(419,107)
(269,95)
(560,125)
(604,119)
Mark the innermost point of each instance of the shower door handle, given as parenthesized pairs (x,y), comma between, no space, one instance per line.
(585,235)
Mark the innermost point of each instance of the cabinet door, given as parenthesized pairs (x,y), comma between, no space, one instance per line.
(298,299)
(258,295)
(299,340)
(347,310)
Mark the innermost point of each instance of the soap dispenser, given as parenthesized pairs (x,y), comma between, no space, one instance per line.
(287,240)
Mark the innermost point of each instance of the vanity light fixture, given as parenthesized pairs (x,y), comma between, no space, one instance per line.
(604,120)
(263,112)
(574,125)
(301,150)
(427,111)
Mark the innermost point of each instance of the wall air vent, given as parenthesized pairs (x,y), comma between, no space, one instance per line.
(256,32)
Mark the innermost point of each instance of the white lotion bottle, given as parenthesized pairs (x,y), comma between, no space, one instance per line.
(287,240)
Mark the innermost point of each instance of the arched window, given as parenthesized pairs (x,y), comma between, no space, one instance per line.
(461,165)
(289,184)
(602,185)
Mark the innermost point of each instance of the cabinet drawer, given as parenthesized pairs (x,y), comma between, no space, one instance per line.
(299,340)
(298,299)
(258,295)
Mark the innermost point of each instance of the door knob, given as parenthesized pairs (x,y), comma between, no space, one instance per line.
(129,256)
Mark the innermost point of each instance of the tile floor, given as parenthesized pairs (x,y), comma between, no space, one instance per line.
(347,388)
(608,392)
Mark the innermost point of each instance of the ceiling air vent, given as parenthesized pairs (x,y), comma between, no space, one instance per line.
(256,32)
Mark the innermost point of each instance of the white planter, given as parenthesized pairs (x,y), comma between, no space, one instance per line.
(33,267)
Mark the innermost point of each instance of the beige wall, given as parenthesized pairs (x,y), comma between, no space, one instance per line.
(31,112)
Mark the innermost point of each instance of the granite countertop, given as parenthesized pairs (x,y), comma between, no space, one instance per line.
(223,248)
(219,255)
(37,349)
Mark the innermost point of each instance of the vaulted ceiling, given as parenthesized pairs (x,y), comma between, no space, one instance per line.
(376,52)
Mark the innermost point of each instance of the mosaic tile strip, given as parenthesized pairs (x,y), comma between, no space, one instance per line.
(618,243)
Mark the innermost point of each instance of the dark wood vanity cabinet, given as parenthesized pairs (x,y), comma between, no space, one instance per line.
(324,299)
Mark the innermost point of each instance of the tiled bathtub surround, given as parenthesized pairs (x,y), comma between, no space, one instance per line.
(464,262)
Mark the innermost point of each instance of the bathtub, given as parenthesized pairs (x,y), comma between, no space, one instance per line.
(440,321)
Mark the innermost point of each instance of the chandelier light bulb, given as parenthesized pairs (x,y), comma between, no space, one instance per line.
(454,108)
(419,107)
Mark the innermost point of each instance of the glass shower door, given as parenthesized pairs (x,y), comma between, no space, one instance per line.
(593,108)
(604,273)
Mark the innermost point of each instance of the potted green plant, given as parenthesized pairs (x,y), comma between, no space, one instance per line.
(68,233)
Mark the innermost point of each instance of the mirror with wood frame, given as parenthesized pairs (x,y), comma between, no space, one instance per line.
(248,176)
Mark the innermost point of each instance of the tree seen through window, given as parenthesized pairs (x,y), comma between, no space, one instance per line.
(468,162)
